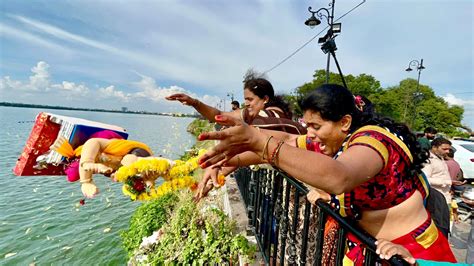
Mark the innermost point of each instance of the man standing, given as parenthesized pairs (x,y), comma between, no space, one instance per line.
(436,170)
(235,105)
(425,141)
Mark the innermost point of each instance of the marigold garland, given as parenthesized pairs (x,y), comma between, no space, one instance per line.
(139,177)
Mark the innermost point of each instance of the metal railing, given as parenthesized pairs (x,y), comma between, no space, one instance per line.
(289,229)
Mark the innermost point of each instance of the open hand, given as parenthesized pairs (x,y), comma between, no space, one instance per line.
(182,98)
(234,140)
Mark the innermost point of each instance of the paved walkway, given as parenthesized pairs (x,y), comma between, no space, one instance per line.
(458,240)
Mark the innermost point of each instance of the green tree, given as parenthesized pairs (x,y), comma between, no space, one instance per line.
(409,103)
(362,84)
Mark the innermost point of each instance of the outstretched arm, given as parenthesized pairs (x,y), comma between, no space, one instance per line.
(205,110)
(318,170)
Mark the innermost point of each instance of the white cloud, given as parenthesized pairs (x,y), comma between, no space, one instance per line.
(110,92)
(453,100)
(468,106)
(31,38)
(71,87)
(40,79)
(39,85)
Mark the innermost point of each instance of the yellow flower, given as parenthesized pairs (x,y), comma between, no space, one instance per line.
(176,177)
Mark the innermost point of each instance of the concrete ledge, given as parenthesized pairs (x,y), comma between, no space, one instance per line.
(234,206)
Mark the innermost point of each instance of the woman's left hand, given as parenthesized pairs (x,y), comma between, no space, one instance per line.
(316,194)
(386,249)
(234,140)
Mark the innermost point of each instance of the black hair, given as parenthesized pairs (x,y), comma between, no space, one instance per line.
(139,152)
(333,102)
(235,103)
(451,152)
(279,102)
(260,86)
(439,141)
(431,130)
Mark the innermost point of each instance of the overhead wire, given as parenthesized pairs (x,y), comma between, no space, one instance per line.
(310,40)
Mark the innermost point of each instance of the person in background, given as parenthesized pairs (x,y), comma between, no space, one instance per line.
(436,170)
(455,171)
(262,108)
(375,162)
(260,101)
(235,105)
(425,141)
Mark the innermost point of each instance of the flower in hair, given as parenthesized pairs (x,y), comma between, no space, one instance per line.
(359,103)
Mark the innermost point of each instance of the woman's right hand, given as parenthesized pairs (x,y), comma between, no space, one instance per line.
(208,182)
(182,98)
(232,141)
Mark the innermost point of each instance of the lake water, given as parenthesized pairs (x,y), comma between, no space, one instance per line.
(40,219)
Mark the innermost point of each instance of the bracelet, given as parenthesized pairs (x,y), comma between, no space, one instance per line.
(275,153)
(265,148)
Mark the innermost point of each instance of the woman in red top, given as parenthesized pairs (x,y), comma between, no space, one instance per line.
(375,167)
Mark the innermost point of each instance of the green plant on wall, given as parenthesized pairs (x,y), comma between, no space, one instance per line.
(197,236)
(148,218)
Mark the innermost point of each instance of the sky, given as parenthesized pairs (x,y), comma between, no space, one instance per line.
(116,53)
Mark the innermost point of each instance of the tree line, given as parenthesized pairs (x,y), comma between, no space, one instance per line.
(416,106)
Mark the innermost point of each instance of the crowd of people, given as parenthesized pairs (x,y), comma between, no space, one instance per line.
(350,150)
(372,169)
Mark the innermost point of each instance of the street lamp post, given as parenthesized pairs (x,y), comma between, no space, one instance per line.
(418,65)
(231,95)
(328,44)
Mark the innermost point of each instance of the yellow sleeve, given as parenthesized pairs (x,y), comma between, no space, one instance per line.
(374,144)
(301,142)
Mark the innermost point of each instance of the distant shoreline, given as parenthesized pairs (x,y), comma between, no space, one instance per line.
(26,105)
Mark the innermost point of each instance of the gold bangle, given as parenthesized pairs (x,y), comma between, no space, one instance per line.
(275,155)
(265,148)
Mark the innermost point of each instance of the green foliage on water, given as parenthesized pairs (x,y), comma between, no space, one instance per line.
(196,235)
(147,218)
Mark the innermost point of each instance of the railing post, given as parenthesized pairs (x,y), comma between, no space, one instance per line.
(284,224)
(277,213)
(306,220)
